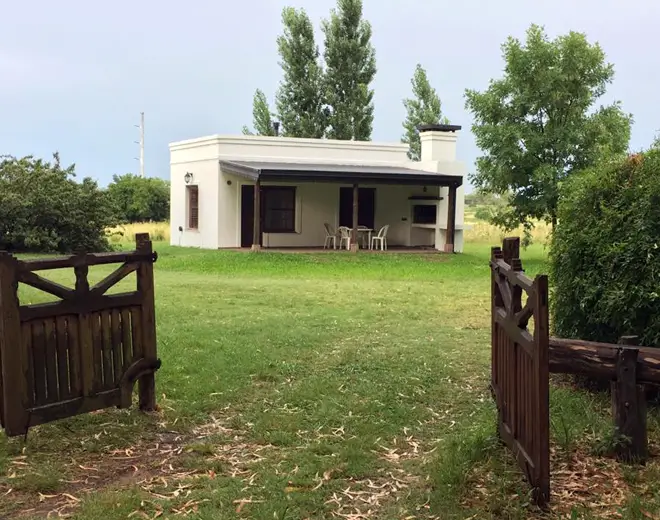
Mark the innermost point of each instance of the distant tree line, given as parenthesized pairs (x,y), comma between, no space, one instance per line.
(44,208)
(140,199)
(331,95)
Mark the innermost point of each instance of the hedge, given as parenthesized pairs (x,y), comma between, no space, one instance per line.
(44,209)
(605,253)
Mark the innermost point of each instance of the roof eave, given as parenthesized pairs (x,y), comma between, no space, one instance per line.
(362,178)
(279,175)
(241,170)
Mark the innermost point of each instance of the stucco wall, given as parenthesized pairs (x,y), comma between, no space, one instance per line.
(278,148)
(202,163)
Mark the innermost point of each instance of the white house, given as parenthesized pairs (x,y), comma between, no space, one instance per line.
(302,184)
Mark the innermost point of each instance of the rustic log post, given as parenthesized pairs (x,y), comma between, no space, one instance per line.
(145,286)
(13,358)
(629,406)
(354,232)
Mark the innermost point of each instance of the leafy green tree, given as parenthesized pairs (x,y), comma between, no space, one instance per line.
(262,117)
(300,95)
(350,68)
(537,124)
(140,199)
(423,108)
(43,208)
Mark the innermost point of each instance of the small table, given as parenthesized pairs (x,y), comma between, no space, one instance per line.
(361,230)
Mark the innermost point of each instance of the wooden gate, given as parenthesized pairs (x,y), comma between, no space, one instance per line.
(519,379)
(83,352)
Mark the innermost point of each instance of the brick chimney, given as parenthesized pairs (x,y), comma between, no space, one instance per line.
(438,142)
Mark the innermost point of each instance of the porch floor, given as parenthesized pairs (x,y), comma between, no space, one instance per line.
(391,250)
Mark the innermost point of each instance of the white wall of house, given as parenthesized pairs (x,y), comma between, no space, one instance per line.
(220,192)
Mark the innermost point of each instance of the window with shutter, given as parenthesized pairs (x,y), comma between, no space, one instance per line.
(279,209)
(193,207)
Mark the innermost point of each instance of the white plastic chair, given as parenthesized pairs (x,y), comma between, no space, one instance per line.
(330,236)
(380,237)
(344,236)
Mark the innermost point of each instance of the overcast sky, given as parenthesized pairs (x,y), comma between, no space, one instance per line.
(74,76)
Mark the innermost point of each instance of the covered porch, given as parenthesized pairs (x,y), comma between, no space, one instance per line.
(392,250)
(284,206)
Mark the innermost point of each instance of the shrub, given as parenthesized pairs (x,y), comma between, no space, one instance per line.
(140,199)
(43,209)
(605,254)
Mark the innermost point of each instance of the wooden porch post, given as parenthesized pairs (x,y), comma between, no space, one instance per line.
(256,237)
(354,233)
(451,220)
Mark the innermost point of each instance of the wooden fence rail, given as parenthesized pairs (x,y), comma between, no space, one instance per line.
(599,360)
(80,353)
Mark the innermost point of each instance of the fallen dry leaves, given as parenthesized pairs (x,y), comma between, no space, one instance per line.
(585,481)
(578,481)
(363,498)
(155,467)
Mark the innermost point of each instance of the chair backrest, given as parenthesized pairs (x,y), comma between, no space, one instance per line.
(383,231)
(328,229)
(343,231)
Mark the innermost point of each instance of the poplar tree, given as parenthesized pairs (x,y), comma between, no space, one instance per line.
(424,108)
(350,69)
(299,98)
(262,118)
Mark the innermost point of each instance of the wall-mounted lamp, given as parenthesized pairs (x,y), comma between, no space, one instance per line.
(229,183)
(188,178)
(424,189)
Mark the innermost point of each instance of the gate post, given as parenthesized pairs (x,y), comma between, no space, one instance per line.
(629,405)
(14,358)
(145,286)
(542,383)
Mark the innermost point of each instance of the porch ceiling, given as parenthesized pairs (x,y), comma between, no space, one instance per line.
(337,173)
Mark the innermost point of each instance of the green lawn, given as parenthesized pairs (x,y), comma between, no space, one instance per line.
(317,386)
